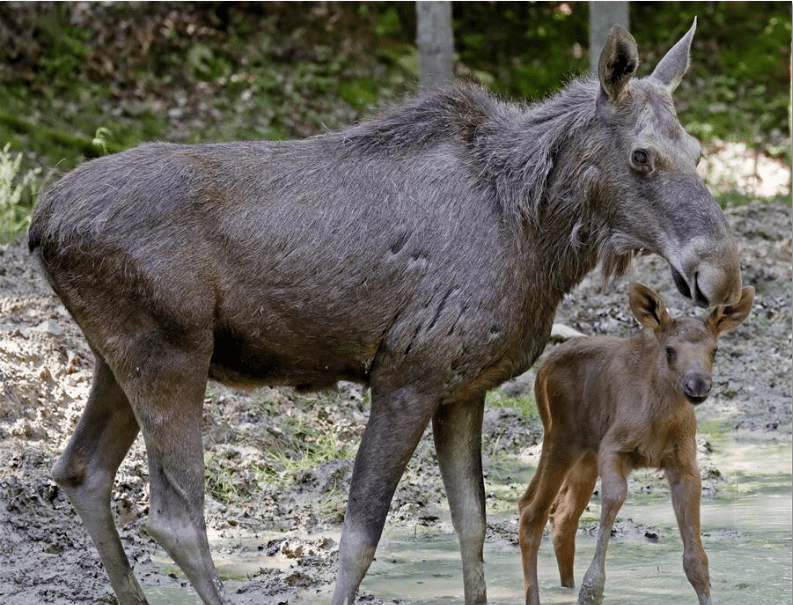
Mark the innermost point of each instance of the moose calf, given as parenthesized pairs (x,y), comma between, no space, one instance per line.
(610,405)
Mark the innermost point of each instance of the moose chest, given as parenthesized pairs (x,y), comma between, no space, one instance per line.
(651,438)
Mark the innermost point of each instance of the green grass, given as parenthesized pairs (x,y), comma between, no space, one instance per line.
(304,450)
(295,444)
(18,191)
(525,404)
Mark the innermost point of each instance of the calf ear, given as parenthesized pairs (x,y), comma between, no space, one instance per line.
(618,62)
(648,307)
(673,66)
(731,316)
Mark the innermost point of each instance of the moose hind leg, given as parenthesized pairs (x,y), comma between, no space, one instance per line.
(457,429)
(396,423)
(168,398)
(535,505)
(573,498)
(86,470)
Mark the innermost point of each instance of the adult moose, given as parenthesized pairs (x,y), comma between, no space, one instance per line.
(422,253)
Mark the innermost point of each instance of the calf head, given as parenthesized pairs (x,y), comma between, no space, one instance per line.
(686,346)
(655,199)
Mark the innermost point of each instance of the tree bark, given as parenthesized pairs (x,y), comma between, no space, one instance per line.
(602,16)
(436,44)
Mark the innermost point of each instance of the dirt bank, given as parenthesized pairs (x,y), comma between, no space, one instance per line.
(269,503)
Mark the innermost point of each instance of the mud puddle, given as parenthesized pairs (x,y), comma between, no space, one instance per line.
(748,541)
(746,527)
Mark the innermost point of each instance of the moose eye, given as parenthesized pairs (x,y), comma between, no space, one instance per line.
(670,354)
(640,157)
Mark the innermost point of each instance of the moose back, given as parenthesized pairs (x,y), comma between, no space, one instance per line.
(422,253)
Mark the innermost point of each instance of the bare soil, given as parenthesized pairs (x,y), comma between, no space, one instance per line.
(258,502)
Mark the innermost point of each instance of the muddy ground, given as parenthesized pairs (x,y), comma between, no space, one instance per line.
(271,503)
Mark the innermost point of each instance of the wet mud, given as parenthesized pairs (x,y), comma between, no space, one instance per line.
(274,527)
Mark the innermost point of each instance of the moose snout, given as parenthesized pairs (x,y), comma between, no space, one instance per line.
(696,387)
(709,271)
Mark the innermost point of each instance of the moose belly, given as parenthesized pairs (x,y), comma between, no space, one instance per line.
(309,364)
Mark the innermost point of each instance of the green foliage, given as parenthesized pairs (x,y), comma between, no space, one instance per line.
(361,93)
(84,79)
(738,86)
(221,478)
(282,451)
(302,447)
(524,403)
(388,23)
(530,48)
(18,191)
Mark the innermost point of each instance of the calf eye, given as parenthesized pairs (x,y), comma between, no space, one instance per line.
(640,157)
(670,354)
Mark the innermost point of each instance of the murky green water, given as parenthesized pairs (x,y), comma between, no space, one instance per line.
(747,533)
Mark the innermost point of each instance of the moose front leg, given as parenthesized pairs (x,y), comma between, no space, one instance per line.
(396,423)
(614,488)
(686,488)
(457,430)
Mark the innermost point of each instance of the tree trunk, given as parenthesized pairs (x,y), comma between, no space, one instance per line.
(436,44)
(602,16)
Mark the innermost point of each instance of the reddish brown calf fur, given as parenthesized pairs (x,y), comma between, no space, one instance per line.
(610,405)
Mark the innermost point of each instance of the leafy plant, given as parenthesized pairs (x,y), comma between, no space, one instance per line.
(303,449)
(19,190)
(524,403)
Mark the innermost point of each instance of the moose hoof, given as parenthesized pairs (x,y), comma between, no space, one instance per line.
(591,592)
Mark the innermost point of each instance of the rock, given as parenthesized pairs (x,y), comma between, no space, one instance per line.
(562,332)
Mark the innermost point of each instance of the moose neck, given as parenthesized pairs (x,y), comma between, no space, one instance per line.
(559,200)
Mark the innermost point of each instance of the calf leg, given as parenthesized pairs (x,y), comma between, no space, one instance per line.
(457,429)
(686,488)
(534,508)
(86,470)
(573,498)
(396,423)
(614,488)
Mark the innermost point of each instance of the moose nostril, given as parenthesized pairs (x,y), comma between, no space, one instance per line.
(699,296)
(681,284)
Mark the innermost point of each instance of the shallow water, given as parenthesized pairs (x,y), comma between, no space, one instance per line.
(746,531)
(747,534)
(748,544)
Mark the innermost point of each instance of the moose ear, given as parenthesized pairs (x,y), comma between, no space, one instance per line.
(673,66)
(648,307)
(618,62)
(731,316)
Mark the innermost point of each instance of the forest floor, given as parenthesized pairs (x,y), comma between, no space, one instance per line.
(289,506)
